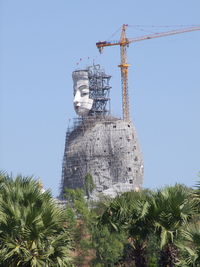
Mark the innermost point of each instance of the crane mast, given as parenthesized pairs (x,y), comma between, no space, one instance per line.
(124,73)
(123,43)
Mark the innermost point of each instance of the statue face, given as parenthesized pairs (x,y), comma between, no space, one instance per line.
(82,102)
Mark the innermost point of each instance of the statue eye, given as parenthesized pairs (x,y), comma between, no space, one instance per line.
(84,93)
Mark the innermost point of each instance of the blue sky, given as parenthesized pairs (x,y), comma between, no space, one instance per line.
(40,44)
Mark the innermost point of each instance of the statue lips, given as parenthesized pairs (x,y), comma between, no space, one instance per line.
(81,110)
(77,105)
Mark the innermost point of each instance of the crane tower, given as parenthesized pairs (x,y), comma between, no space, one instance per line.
(124,43)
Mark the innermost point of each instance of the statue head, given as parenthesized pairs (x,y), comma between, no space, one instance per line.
(82,101)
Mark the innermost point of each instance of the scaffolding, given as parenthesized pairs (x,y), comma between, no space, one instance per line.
(99,90)
(100,144)
(78,128)
(109,147)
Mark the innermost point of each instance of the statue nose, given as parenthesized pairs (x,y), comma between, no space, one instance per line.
(76,103)
(77,97)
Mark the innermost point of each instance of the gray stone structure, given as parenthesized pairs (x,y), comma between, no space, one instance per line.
(108,149)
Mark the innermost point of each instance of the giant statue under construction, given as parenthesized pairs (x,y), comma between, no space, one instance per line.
(99,144)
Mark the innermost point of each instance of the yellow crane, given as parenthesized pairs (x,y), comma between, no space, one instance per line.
(124,43)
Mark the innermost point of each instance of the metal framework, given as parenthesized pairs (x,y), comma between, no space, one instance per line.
(77,162)
(99,90)
(124,43)
(124,74)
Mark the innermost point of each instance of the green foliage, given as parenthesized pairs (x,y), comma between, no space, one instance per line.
(89,185)
(32,226)
(108,246)
(142,229)
(152,250)
(142,215)
(78,209)
(190,246)
(196,196)
(129,213)
(77,202)
(172,208)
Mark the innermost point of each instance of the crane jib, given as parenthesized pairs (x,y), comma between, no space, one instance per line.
(123,42)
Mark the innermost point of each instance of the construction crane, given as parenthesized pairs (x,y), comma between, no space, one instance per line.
(124,43)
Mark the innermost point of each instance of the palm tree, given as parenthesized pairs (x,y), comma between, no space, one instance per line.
(196,196)
(33,231)
(172,209)
(190,246)
(130,213)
